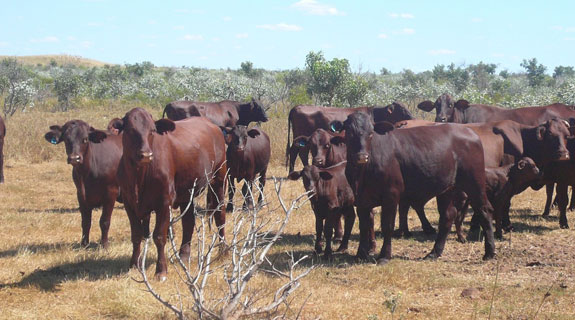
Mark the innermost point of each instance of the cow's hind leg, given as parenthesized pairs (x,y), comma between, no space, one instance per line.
(160,237)
(349,215)
(562,196)
(188,224)
(105,220)
(549,194)
(403,225)
(447,213)
(388,212)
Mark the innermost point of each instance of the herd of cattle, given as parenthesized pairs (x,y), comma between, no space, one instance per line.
(362,158)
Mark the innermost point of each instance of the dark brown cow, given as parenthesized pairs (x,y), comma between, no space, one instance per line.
(248,156)
(95,157)
(502,184)
(305,119)
(332,197)
(225,113)
(162,162)
(408,167)
(2,136)
(460,111)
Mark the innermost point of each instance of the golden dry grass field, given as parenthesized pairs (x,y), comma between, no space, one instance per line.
(45,274)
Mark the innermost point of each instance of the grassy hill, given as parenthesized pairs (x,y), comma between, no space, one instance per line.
(61,59)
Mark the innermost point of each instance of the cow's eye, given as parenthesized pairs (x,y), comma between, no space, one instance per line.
(85,140)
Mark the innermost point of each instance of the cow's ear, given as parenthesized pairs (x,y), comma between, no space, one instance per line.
(461,104)
(253,133)
(540,132)
(117,124)
(426,106)
(336,126)
(294,175)
(227,132)
(337,140)
(521,164)
(96,136)
(111,128)
(325,175)
(54,136)
(383,127)
(165,125)
(300,141)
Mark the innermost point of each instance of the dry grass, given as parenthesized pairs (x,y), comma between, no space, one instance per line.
(61,59)
(44,273)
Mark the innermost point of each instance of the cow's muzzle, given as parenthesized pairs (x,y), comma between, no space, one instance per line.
(562,156)
(75,159)
(146,157)
(318,162)
(362,158)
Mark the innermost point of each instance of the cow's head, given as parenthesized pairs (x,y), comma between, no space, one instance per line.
(111,128)
(321,145)
(359,131)
(394,112)
(139,129)
(314,177)
(77,136)
(525,172)
(554,134)
(445,108)
(252,111)
(237,137)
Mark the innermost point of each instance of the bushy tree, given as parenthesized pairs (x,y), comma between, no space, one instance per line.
(16,86)
(67,86)
(535,72)
(561,71)
(328,78)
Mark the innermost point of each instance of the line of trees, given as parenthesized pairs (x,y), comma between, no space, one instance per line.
(322,82)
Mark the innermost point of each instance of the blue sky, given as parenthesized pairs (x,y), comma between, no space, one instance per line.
(277,35)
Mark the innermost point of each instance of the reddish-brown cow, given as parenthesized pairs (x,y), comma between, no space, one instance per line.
(95,157)
(305,119)
(225,113)
(387,167)
(332,197)
(248,156)
(162,162)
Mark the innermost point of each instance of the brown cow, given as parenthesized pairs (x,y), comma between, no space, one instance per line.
(2,136)
(162,162)
(502,184)
(248,156)
(225,113)
(95,157)
(305,119)
(387,167)
(460,111)
(332,197)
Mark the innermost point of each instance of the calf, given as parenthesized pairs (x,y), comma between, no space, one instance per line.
(502,183)
(387,168)
(95,157)
(162,161)
(248,156)
(332,197)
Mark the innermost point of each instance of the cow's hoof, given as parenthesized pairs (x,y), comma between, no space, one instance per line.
(105,245)
(508,228)
(432,256)
(337,240)
(564,225)
(229,208)
(461,239)
(498,235)
(318,250)
(382,261)
(398,233)
(489,256)
(161,277)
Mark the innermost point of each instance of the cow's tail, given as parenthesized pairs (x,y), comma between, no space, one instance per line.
(287,143)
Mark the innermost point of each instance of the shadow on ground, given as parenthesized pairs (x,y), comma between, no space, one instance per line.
(90,270)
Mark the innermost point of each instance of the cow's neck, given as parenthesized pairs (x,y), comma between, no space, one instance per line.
(532,147)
